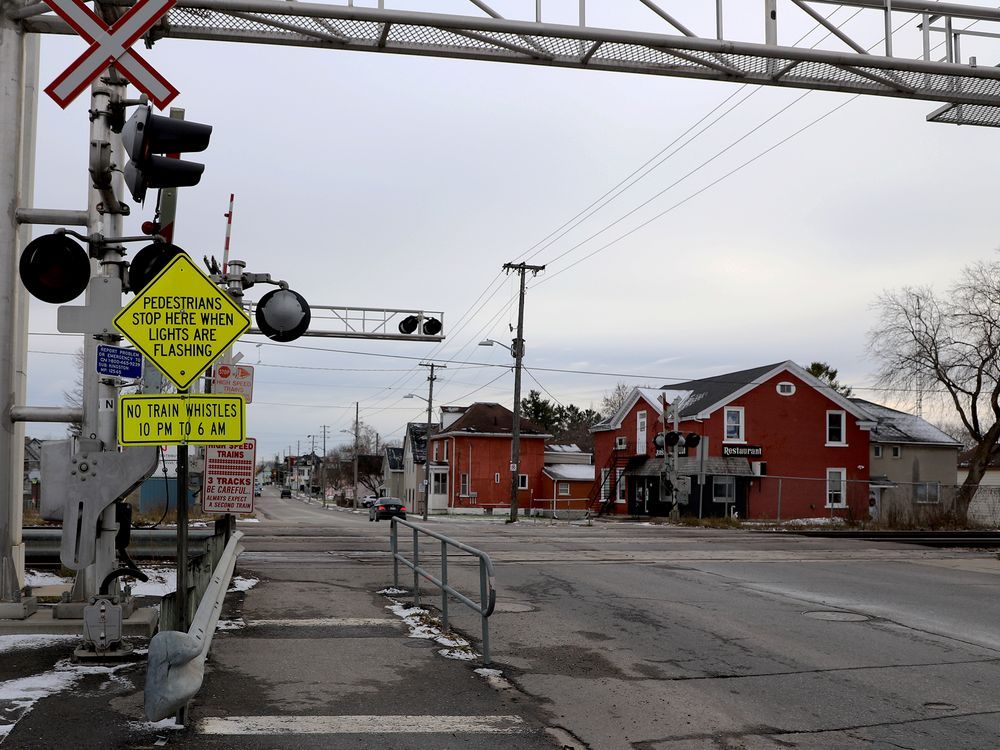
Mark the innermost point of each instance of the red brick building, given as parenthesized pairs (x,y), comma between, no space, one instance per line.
(470,457)
(774,442)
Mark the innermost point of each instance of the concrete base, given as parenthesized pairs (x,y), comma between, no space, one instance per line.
(18,610)
(143,623)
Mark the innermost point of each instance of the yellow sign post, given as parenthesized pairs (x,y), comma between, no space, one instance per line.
(181,419)
(181,321)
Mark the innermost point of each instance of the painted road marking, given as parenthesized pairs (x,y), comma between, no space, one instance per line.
(326,622)
(244,725)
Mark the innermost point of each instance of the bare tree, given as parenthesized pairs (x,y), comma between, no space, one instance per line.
(614,398)
(951,341)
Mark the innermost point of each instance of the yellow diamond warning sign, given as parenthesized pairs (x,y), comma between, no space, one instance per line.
(181,321)
(180,419)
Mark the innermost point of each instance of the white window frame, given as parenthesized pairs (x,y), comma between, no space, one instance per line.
(729,483)
(742,425)
(463,485)
(843,487)
(927,487)
(621,443)
(640,432)
(496,478)
(878,451)
(897,451)
(439,482)
(605,484)
(522,481)
(842,443)
(435,451)
(446,451)
(785,388)
(621,487)
(562,488)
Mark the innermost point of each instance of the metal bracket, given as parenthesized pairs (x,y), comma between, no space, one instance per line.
(102,624)
(104,302)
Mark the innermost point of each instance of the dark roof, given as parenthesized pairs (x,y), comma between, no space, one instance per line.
(893,426)
(490,418)
(708,391)
(965,458)
(417,432)
(689,466)
(395,458)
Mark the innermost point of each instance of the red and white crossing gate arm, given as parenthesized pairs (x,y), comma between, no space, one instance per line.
(111,45)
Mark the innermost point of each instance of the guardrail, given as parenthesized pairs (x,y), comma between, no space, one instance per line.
(487,578)
(42,544)
(176,661)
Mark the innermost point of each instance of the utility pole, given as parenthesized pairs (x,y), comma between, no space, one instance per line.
(518,351)
(427,436)
(356,425)
(322,465)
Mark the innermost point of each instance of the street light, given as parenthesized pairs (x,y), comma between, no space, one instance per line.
(517,352)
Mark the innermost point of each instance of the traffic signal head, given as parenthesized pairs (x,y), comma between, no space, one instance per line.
(679,439)
(148,262)
(409,324)
(146,135)
(54,268)
(283,315)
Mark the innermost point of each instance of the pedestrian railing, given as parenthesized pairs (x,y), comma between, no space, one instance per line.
(487,579)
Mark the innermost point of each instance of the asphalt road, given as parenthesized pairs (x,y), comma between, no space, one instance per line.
(616,635)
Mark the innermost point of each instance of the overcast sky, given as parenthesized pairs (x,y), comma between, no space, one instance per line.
(391,181)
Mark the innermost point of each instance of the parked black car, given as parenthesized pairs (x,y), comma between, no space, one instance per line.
(285,492)
(387,507)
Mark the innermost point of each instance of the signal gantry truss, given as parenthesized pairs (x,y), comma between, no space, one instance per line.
(919,55)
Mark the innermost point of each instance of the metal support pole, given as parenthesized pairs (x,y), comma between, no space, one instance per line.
(444,584)
(182,538)
(12,100)
(888,28)
(394,546)
(518,352)
(484,619)
(416,564)
(356,427)
(779,499)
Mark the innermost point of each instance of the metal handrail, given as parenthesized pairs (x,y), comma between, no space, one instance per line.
(487,577)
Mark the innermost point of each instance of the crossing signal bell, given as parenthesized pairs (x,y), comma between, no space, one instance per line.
(283,315)
(146,136)
(54,268)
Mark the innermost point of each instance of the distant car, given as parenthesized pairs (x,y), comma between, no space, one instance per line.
(387,507)
(257,490)
(286,492)
(368,501)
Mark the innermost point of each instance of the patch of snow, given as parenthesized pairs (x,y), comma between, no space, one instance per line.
(230,625)
(22,694)
(495,678)
(155,726)
(247,520)
(197,525)
(392,591)
(44,578)
(239,583)
(13,642)
(459,654)
(824,521)
(161,581)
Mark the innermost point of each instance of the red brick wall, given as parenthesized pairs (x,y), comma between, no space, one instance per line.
(482,458)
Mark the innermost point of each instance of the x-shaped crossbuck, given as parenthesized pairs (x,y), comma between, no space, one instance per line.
(111,45)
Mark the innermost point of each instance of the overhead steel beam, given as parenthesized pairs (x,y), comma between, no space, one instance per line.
(497,39)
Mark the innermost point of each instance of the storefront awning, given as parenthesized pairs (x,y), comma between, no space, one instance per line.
(713,466)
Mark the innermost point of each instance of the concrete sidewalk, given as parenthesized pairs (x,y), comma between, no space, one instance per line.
(312,656)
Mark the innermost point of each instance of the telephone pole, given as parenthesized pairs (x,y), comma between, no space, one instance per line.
(356,426)
(518,352)
(427,436)
(322,464)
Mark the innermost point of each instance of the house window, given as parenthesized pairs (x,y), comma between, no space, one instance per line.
(878,451)
(836,433)
(605,485)
(724,489)
(734,424)
(522,481)
(440,484)
(785,388)
(897,452)
(836,488)
(622,495)
(463,485)
(496,478)
(563,489)
(446,451)
(435,451)
(621,443)
(640,432)
(927,492)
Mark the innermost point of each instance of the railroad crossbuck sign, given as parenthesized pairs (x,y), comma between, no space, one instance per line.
(181,419)
(110,45)
(181,321)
